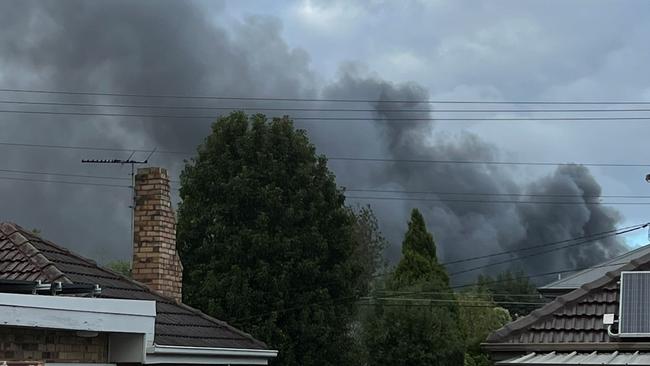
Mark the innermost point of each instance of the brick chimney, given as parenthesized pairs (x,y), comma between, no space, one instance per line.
(155,260)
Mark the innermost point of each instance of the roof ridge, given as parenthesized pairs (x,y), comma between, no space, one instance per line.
(547,310)
(15,234)
(607,263)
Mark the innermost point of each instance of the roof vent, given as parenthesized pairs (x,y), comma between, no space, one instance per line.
(634,309)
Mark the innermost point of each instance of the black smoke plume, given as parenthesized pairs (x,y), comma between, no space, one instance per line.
(189,48)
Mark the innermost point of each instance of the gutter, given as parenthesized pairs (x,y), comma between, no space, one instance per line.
(159,354)
(210,351)
(566,347)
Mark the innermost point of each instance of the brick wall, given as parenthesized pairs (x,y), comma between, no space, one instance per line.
(24,344)
(155,260)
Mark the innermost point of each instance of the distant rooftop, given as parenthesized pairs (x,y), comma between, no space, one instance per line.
(578,279)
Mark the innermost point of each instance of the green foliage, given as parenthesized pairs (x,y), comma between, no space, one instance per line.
(266,241)
(369,248)
(122,267)
(478,317)
(369,256)
(419,262)
(508,287)
(415,331)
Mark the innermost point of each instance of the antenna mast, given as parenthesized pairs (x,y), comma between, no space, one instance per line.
(132,162)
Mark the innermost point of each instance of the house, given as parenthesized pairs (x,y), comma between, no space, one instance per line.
(572,329)
(58,307)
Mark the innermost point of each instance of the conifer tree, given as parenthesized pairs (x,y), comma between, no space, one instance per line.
(411,329)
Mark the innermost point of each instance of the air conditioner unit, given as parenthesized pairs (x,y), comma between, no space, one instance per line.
(634,305)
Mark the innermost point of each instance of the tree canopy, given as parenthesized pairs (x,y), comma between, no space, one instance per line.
(416,330)
(266,241)
(509,287)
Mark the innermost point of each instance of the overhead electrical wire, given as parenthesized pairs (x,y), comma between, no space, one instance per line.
(339,119)
(546,244)
(72,175)
(338,158)
(294,109)
(591,240)
(490,194)
(451,200)
(482,162)
(338,100)
(483,194)
(298,307)
(31,172)
(597,236)
(64,182)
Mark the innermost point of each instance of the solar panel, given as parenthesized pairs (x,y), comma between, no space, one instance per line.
(634,305)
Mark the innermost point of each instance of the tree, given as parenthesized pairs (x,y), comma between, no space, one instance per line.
(416,330)
(508,288)
(266,241)
(478,317)
(369,256)
(369,248)
(122,267)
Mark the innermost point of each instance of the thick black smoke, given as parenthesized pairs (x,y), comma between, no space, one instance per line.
(465,229)
(186,47)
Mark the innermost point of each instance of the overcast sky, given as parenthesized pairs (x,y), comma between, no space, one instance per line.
(441,50)
(499,50)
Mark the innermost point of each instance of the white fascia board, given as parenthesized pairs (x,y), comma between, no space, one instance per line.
(77,313)
(79,364)
(208,355)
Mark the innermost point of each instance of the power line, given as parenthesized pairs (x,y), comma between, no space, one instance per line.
(449,200)
(482,162)
(547,244)
(332,119)
(294,109)
(337,158)
(546,251)
(63,182)
(350,190)
(62,174)
(455,293)
(338,100)
(452,287)
(458,302)
(490,194)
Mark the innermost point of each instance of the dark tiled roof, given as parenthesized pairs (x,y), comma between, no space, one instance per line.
(24,256)
(570,319)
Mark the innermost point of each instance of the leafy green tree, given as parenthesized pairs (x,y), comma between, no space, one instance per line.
(478,317)
(508,288)
(369,256)
(369,249)
(266,241)
(122,267)
(415,331)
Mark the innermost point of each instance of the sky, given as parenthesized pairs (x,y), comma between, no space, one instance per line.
(378,50)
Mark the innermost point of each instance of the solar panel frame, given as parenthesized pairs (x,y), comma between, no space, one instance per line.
(634,304)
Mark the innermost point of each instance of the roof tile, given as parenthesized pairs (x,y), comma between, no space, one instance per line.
(25,256)
(573,317)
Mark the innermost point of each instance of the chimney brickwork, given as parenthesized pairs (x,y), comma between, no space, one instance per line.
(155,260)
